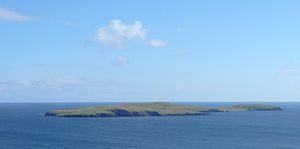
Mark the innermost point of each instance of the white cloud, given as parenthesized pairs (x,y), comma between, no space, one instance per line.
(8,15)
(157,43)
(116,33)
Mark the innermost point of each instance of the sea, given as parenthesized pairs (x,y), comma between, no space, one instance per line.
(23,126)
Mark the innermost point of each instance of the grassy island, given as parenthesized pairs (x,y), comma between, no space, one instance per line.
(153,109)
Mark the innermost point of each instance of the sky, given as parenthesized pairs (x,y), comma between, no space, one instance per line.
(95,51)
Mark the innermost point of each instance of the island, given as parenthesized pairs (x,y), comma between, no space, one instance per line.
(154,109)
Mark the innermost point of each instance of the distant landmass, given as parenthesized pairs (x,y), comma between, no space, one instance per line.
(154,109)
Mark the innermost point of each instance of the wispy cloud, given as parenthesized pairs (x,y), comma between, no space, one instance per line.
(9,15)
(71,24)
(121,61)
(290,72)
(295,61)
(117,32)
(48,84)
(157,43)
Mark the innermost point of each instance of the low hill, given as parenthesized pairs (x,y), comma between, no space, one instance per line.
(153,109)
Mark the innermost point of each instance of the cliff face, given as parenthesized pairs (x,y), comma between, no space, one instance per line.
(124,113)
(152,109)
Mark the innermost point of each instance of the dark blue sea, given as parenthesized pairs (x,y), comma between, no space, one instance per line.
(23,126)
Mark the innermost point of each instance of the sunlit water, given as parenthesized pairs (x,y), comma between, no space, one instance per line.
(23,126)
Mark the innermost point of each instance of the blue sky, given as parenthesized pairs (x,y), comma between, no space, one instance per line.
(63,51)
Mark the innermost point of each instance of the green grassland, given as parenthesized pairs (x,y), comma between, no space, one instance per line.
(153,109)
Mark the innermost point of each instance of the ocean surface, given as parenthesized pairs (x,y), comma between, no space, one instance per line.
(23,126)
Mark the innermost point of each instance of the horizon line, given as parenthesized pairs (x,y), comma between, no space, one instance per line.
(147,101)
